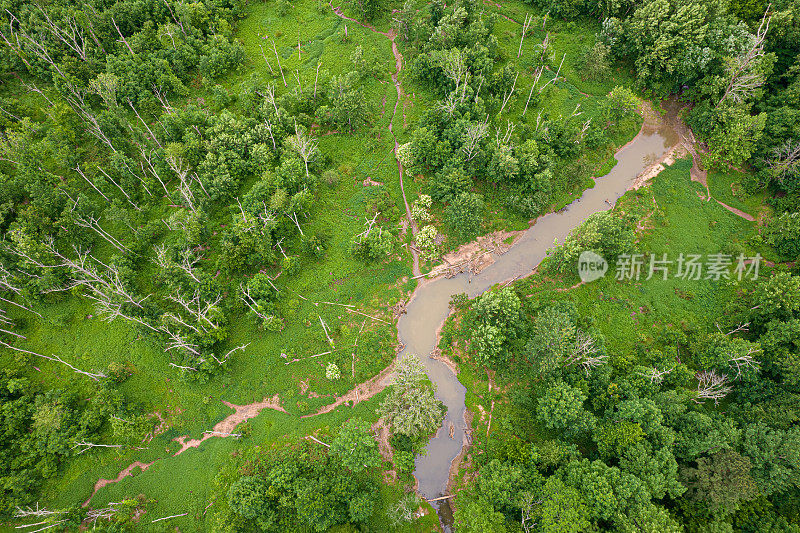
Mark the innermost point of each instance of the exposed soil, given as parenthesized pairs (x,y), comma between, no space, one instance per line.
(226,427)
(473,256)
(361,392)
(382,433)
(737,212)
(222,429)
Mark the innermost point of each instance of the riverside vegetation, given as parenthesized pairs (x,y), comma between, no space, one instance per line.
(203,208)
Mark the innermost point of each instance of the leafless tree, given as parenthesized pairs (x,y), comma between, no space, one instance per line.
(264,55)
(585,353)
(124,192)
(555,78)
(225,357)
(473,137)
(454,66)
(784,160)
(507,96)
(525,26)
(93,223)
(275,49)
(712,386)
(361,237)
(70,33)
(528,504)
(502,139)
(93,375)
(536,77)
(121,37)
(204,312)
(177,340)
(655,375)
(304,144)
(743,72)
(251,303)
(744,361)
(85,446)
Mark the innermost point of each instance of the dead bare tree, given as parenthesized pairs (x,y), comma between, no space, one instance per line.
(711,386)
(525,26)
(252,304)
(275,49)
(744,361)
(304,144)
(152,135)
(472,139)
(69,33)
(121,37)
(536,77)
(93,375)
(654,374)
(92,222)
(555,78)
(361,237)
(501,140)
(264,55)
(528,503)
(204,312)
(225,357)
(744,75)
(585,354)
(507,96)
(85,446)
(785,160)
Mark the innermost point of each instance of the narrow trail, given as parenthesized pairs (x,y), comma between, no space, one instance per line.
(222,429)
(398,59)
(362,391)
(737,212)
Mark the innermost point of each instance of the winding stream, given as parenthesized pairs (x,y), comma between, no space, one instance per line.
(429,305)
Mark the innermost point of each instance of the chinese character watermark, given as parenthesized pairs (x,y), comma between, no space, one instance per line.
(715,267)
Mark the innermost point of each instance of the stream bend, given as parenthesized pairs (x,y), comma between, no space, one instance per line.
(429,305)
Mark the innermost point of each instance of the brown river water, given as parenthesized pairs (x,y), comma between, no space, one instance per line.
(429,305)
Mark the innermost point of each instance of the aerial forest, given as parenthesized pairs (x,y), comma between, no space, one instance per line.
(223,223)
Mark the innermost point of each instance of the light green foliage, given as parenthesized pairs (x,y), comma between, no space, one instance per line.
(777,296)
(596,64)
(620,104)
(332,371)
(784,234)
(426,241)
(561,407)
(420,207)
(411,408)
(605,233)
(355,447)
(563,508)
(497,317)
(480,517)
(465,215)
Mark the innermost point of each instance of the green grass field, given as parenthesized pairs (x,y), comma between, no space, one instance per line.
(184,484)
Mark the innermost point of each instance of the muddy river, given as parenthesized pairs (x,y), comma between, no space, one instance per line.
(429,305)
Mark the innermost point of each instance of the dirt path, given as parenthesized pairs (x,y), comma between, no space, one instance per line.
(737,212)
(398,61)
(127,471)
(361,392)
(222,429)
(226,427)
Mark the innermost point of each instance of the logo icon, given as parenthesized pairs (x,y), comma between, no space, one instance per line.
(591,266)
